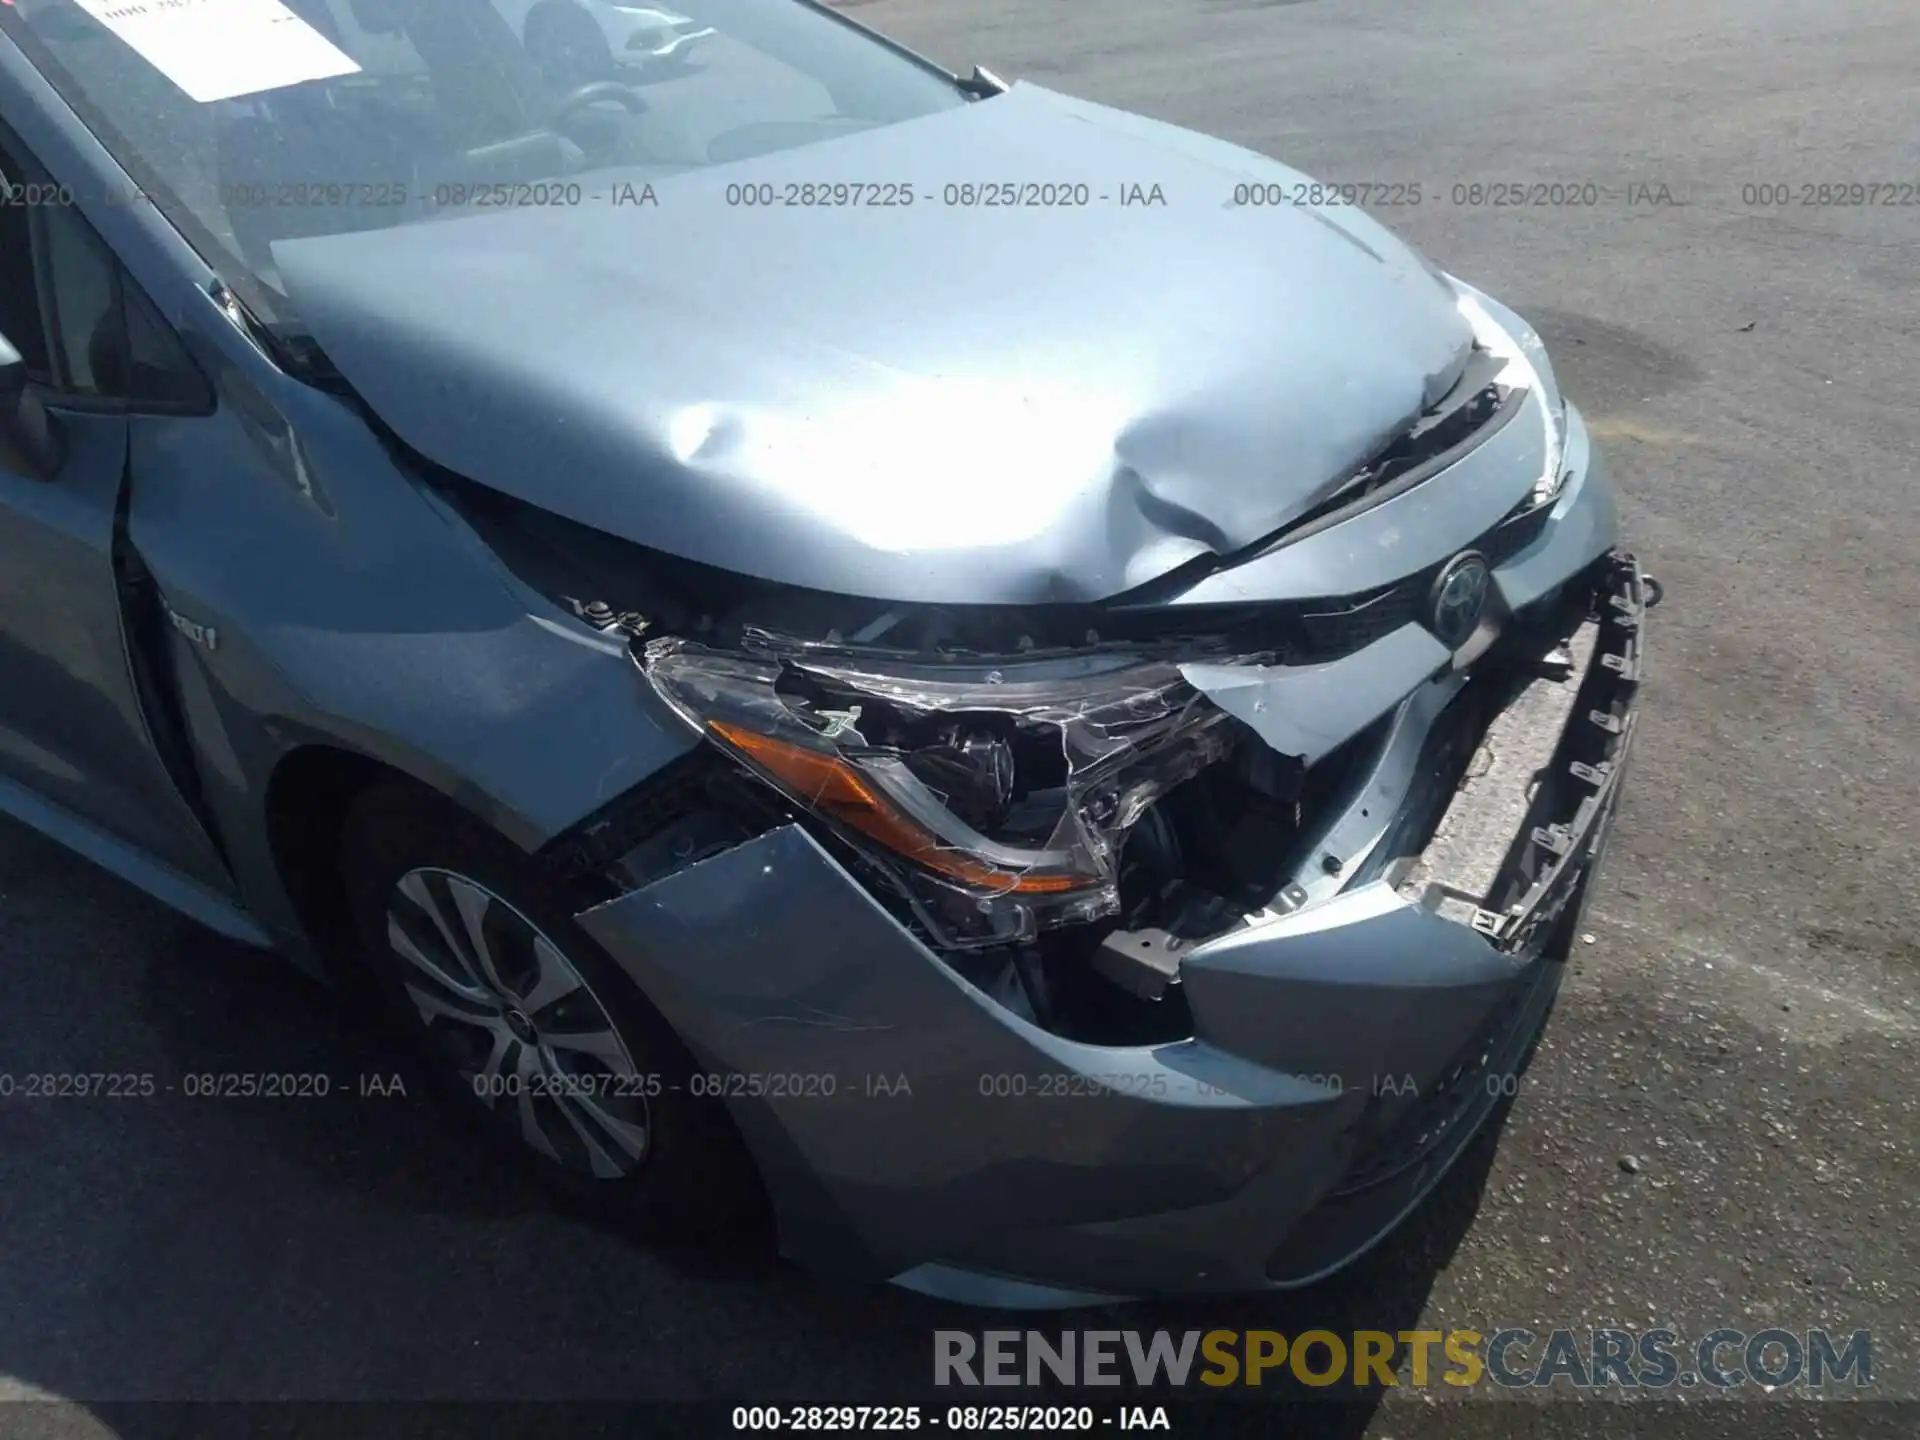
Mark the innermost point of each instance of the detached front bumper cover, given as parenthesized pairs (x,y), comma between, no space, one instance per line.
(910,1127)
(1511,886)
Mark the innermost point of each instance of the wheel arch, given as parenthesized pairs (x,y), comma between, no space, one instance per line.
(315,806)
(309,795)
(314,785)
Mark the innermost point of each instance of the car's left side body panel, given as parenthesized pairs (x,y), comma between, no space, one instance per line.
(316,596)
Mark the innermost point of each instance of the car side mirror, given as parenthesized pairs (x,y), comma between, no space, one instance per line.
(25,426)
(13,372)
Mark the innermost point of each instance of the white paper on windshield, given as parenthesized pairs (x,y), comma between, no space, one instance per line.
(220,49)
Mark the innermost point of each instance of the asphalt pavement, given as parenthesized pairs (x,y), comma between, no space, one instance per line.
(1720,1128)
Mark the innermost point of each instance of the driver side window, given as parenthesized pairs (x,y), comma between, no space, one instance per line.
(19,296)
(88,334)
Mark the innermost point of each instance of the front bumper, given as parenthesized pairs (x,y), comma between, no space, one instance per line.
(1347,1042)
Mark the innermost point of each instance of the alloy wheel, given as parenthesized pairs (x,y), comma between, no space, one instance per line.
(520,1023)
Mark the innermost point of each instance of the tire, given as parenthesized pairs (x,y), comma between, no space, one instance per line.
(545,1043)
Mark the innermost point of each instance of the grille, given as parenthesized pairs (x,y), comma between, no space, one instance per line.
(1359,621)
(1338,627)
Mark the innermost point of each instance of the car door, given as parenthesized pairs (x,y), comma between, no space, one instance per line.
(77,700)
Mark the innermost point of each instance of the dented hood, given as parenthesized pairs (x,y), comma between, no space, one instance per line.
(934,401)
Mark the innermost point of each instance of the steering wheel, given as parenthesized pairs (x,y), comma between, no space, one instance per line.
(596,92)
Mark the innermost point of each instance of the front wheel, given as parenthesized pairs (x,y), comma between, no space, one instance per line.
(527,1023)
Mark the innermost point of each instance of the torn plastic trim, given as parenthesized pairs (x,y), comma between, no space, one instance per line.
(691,808)
(1568,812)
(1388,932)
(1308,711)
(1350,836)
(1521,757)
(895,755)
(1530,776)
(1184,1123)
(997,800)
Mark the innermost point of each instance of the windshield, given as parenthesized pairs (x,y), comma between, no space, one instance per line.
(253,121)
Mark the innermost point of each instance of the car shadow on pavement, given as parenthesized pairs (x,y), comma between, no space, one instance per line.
(347,1243)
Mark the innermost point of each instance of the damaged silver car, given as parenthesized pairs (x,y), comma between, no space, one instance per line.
(819,631)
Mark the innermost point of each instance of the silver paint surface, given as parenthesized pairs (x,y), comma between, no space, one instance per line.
(930,402)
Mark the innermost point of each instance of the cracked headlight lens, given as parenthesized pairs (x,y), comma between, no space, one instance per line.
(1554,474)
(1501,330)
(996,798)
(1553,479)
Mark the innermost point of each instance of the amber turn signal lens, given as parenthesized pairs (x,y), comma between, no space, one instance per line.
(838,791)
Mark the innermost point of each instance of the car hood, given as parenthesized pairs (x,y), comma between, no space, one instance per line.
(950,400)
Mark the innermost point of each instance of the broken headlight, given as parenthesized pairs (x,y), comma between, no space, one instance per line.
(995,798)
(1507,334)
(1555,474)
